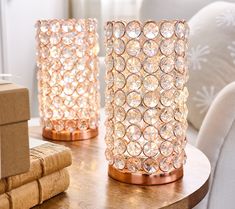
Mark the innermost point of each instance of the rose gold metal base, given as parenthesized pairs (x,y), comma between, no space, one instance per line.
(68,136)
(145,179)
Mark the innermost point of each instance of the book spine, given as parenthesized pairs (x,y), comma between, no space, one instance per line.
(36,192)
(4,201)
(45,159)
(2,186)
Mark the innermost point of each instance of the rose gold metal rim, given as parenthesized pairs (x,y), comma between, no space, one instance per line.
(145,179)
(68,136)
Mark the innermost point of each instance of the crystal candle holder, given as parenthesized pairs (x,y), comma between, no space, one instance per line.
(146,72)
(67,78)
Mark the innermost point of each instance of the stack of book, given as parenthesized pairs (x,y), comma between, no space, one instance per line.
(46,178)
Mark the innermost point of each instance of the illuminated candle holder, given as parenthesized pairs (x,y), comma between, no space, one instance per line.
(68,78)
(146,72)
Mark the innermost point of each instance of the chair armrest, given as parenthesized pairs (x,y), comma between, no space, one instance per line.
(216,139)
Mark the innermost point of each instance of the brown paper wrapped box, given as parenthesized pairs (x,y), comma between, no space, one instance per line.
(14,144)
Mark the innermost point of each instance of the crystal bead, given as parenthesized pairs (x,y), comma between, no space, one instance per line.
(57,101)
(119,113)
(119,63)
(151,116)
(133,82)
(150,82)
(133,116)
(68,64)
(133,164)
(150,30)
(68,52)
(177,146)
(119,130)
(109,47)
(167,98)
(167,47)
(177,161)
(179,130)
(119,80)
(133,47)
(167,82)
(119,162)
(167,29)
(48,113)
(134,148)
(80,26)
(110,96)
(120,98)
(119,146)
(133,99)
(150,65)
(109,63)
(43,26)
(180,64)
(58,125)
(118,46)
(133,29)
(180,30)
(44,39)
(133,65)
(150,149)
(48,124)
(165,165)
(133,132)
(150,48)
(68,38)
(58,113)
(55,26)
(109,30)
(167,114)
(180,47)
(118,29)
(150,133)
(67,26)
(91,24)
(109,128)
(179,114)
(70,125)
(166,131)
(109,156)
(69,88)
(109,111)
(55,52)
(167,64)
(45,52)
(179,81)
(166,148)
(151,99)
(55,39)
(150,165)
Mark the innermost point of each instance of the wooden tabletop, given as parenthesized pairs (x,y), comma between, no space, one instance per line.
(91,188)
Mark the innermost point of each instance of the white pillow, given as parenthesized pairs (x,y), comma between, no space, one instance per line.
(211,56)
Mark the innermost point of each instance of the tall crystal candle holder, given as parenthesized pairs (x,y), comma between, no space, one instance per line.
(146,110)
(67,78)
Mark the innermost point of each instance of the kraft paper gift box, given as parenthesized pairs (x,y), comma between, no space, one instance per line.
(14,142)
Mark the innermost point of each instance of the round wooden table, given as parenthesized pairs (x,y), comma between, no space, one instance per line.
(91,188)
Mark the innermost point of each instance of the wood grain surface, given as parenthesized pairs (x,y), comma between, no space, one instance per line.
(91,188)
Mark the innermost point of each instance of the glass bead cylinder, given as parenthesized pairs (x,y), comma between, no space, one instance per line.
(68,78)
(146,112)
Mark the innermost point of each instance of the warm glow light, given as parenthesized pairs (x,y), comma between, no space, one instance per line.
(67,78)
(146,111)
